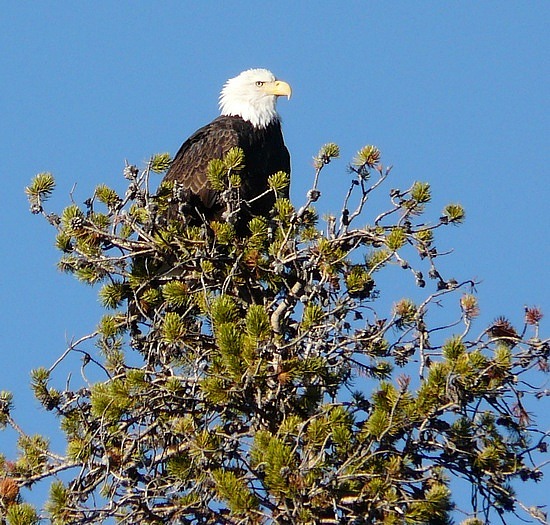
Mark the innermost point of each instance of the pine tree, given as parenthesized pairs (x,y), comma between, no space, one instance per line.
(259,379)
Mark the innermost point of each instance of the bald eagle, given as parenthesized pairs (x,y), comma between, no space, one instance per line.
(248,120)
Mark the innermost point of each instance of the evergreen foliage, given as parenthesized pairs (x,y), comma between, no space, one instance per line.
(264,378)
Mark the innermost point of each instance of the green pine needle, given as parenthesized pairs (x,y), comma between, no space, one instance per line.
(6,405)
(89,274)
(284,209)
(424,236)
(276,458)
(313,315)
(41,186)
(367,156)
(141,215)
(63,242)
(405,311)
(107,196)
(327,152)
(22,514)
(78,449)
(378,423)
(40,375)
(161,162)
(233,490)
(396,239)
(112,295)
(72,218)
(359,282)
(173,329)
(258,226)
(57,503)
(151,298)
(100,220)
(68,264)
(34,451)
(377,259)
(112,325)
(503,357)
(207,267)
(224,232)
(434,509)
(110,400)
(279,181)
(453,348)
(175,293)
(215,390)
(215,173)
(454,213)
(234,159)
(223,310)
(235,180)
(257,322)
(421,192)
(179,467)
(229,337)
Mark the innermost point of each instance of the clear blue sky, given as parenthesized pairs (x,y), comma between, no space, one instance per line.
(454,93)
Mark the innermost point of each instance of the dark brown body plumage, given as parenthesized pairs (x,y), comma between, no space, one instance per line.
(264,154)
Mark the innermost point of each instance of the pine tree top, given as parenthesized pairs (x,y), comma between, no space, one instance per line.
(269,378)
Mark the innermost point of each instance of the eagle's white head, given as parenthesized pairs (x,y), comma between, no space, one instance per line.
(252,95)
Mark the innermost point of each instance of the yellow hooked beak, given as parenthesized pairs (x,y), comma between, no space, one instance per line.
(278,88)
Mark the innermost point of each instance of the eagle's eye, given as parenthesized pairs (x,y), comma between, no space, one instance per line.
(259,83)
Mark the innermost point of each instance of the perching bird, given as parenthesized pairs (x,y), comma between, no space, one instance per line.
(249,120)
